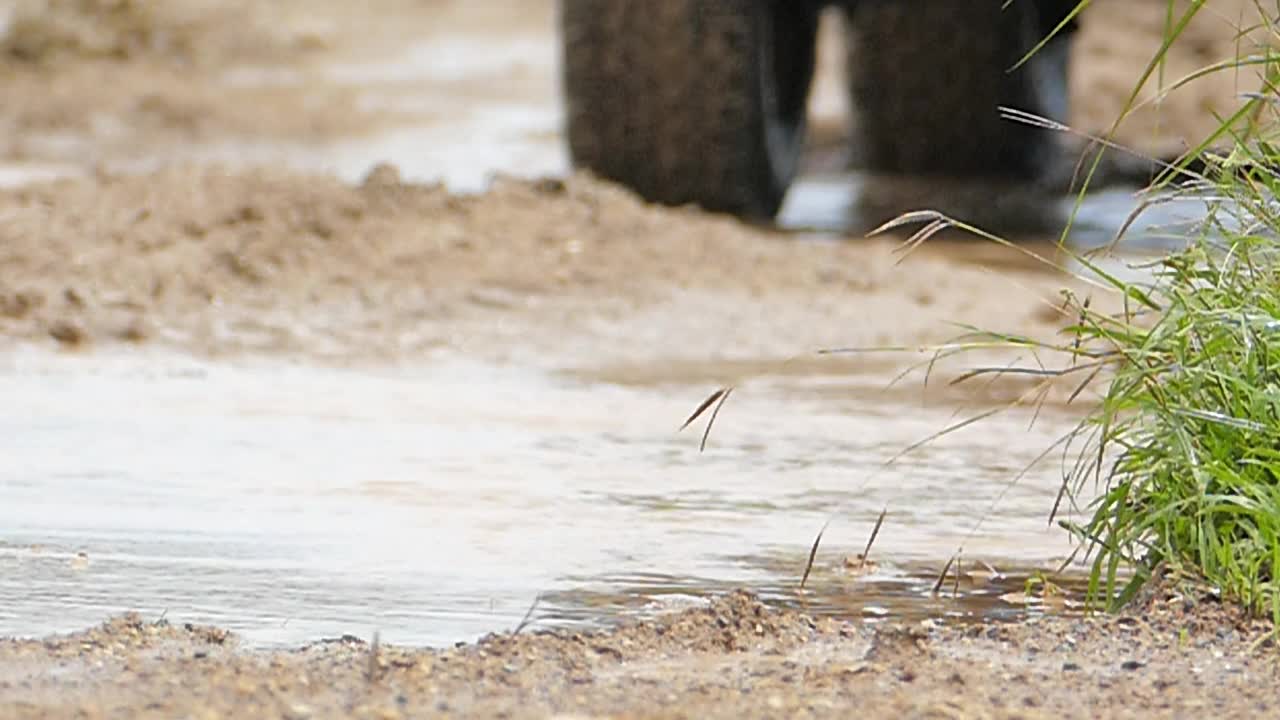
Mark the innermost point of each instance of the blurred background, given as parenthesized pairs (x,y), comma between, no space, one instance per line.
(448,91)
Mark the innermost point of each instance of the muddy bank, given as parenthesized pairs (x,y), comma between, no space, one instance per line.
(220,264)
(1174,657)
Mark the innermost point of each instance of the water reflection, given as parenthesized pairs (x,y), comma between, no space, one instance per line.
(853,204)
(908,594)
(433,504)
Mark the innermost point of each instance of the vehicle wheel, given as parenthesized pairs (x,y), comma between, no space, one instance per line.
(690,101)
(928,78)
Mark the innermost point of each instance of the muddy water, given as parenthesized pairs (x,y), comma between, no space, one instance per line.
(434,504)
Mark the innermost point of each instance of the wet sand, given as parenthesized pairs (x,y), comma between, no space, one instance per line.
(1176,657)
(227,262)
(218,264)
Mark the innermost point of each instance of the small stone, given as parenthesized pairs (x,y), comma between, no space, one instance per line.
(19,304)
(549,186)
(67,333)
(383,175)
(135,332)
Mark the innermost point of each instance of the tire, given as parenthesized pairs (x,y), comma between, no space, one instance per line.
(927,79)
(690,101)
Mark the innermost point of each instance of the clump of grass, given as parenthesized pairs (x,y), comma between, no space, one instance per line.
(1186,439)
(1183,449)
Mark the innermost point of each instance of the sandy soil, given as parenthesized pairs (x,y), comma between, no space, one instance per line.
(109,81)
(217,263)
(225,263)
(1175,657)
(1118,38)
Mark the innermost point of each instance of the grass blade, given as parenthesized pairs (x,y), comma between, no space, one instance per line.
(702,407)
(813,553)
(866,552)
(942,577)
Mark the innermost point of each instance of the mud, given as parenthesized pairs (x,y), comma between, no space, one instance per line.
(1179,656)
(216,263)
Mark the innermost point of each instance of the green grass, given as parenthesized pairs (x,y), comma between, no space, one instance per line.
(1185,443)
(1182,453)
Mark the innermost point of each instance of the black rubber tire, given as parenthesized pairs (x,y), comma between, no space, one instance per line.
(690,101)
(927,79)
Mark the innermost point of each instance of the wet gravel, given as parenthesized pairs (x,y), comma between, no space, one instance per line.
(1171,656)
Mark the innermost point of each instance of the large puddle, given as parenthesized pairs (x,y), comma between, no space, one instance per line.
(434,505)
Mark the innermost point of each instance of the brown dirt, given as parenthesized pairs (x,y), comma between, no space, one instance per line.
(128,77)
(221,264)
(735,658)
(202,34)
(1118,38)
